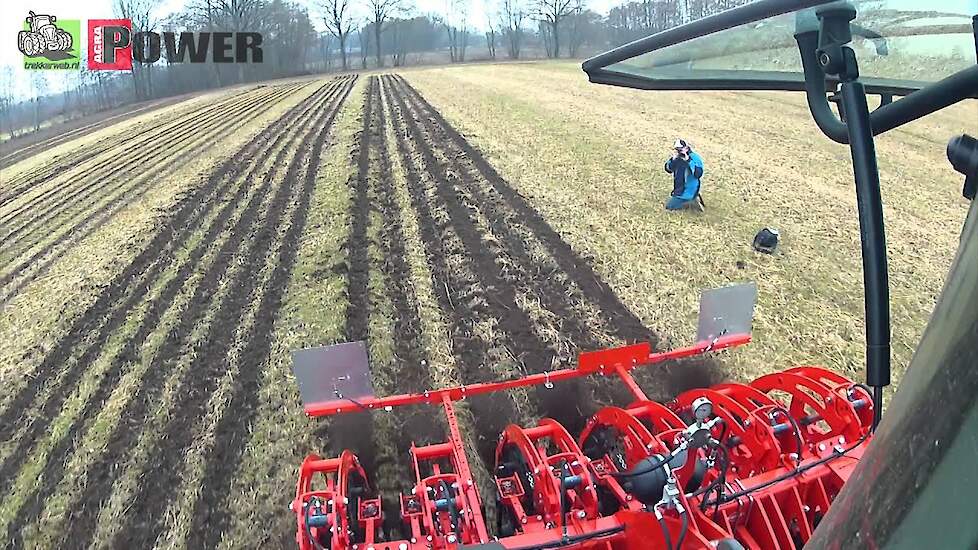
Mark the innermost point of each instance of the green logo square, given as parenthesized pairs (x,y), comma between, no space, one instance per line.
(48,42)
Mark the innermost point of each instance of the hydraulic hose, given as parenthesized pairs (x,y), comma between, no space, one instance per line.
(682,531)
(665,531)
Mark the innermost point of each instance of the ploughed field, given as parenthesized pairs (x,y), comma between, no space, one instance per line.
(469,223)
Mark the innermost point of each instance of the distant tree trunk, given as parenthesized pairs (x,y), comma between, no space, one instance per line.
(135,83)
(323,53)
(37,113)
(342,40)
(556,38)
(378,23)
(491,42)
(452,43)
(364,45)
(547,35)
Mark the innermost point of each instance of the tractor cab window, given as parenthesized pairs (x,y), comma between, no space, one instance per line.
(900,43)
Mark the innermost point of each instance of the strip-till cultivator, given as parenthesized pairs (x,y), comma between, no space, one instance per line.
(735,465)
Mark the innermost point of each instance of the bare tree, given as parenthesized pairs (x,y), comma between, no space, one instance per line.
(325,45)
(235,15)
(338,22)
(139,12)
(490,37)
(38,81)
(380,12)
(575,37)
(456,24)
(364,38)
(513,13)
(552,13)
(399,41)
(7,82)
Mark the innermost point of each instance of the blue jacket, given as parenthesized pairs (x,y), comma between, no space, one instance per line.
(694,171)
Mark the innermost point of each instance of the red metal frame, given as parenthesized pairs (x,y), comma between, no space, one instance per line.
(780,442)
(604,362)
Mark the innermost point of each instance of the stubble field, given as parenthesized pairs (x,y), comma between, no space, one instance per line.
(469,223)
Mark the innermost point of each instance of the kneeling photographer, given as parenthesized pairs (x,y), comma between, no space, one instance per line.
(686,167)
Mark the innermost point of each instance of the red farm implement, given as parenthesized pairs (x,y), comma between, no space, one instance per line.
(735,465)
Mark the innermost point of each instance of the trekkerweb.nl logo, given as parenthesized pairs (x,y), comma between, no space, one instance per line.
(49,43)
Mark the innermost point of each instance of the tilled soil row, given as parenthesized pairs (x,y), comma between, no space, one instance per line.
(543,314)
(454,287)
(21,150)
(62,163)
(77,335)
(89,334)
(498,287)
(252,239)
(93,182)
(211,512)
(454,250)
(390,435)
(377,455)
(565,282)
(111,196)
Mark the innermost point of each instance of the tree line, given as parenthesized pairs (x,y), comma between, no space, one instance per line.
(357,35)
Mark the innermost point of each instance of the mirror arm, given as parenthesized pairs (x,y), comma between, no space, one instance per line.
(815,91)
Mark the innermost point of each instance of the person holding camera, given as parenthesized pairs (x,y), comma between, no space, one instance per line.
(686,168)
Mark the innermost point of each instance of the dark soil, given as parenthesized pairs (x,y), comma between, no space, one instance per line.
(225,189)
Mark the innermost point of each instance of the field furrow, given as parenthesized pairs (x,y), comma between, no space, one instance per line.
(32,258)
(28,179)
(68,190)
(72,367)
(462,302)
(202,352)
(170,284)
(17,153)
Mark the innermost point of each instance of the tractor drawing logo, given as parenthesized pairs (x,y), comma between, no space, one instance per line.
(42,38)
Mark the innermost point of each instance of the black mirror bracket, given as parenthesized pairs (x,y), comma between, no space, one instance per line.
(827,52)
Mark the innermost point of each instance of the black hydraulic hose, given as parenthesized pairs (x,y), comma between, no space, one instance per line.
(870,206)
(826,120)
(682,530)
(931,98)
(665,531)
(716,484)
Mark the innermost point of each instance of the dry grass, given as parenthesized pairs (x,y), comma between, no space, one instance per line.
(588,157)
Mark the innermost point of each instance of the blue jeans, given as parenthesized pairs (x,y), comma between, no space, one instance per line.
(676,203)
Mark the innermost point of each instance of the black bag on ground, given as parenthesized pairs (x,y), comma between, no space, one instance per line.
(766,240)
